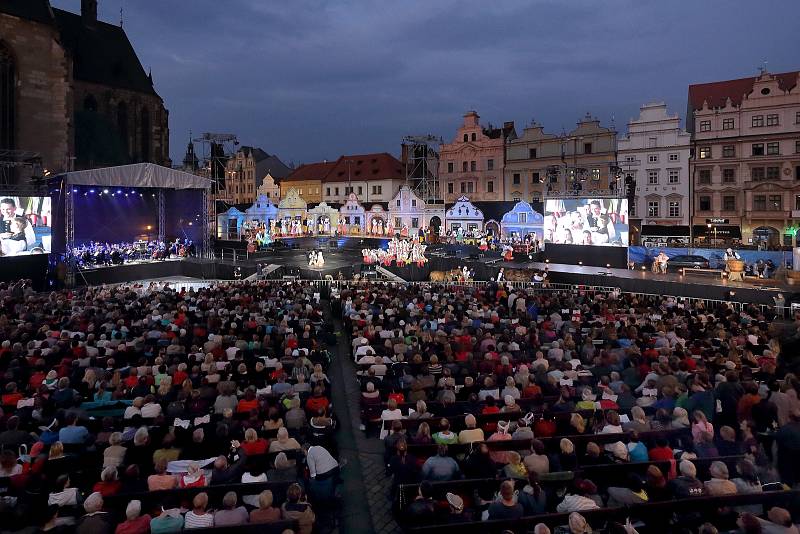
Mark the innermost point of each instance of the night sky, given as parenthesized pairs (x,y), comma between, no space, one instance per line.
(311,79)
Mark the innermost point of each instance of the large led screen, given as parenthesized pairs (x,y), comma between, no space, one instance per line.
(589,221)
(25,225)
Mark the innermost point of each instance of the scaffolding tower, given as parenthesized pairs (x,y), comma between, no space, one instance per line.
(421,159)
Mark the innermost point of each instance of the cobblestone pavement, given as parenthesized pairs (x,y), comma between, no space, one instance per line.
(366,506)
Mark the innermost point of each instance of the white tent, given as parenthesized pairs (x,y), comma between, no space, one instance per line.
(138,175)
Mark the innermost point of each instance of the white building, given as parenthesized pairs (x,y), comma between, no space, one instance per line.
(655,151)
(464,214)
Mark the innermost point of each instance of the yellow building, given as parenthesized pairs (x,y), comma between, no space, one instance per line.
(307,180)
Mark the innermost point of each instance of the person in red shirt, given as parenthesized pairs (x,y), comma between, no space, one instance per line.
(490,408)
(317,401)
(661,452)
(249,402)
(252,444)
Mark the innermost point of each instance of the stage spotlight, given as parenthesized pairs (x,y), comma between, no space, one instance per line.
(580,263)
(126,194)
(608,265)
(190,223)
(149,227)
(119,191)
(91,190)
(643,267)
(75,190)
(547,261)
(105,191)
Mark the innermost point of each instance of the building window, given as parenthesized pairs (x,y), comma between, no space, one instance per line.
(414,222)
(705,203)
(357,220)
(773,173)
(398,205)
(728,176)
(704,176)
(474,136)
(757,174)
(674,208)
(336,191)
(531,153)
(413,202)
(728,151)
(797,147)
(727,124)
(464,166)
(466,138)
(652,177)
(490,186)
(360,190)
(377,189)
(632,209)
(705,152)
(587,148)
(674,176)
(299,192)
(398,222)
(450,188)
(760,202)
(772,120)
(449,166)
(652,158)
(775,203)
(523,218)
(797,202)
(652,208)
(673,157)
(473,166)
(515,178)
(630,159)
(652,142)
(729,203)
(535,199)
(758,149)
(470,187)
(757,121)
(596,175)
(489,164)
(797,117)
(773,149)
(705,126)
(535,178)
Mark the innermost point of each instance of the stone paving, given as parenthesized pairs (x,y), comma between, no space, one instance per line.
(366,504)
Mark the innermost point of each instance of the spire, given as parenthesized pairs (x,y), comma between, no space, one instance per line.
(150,75)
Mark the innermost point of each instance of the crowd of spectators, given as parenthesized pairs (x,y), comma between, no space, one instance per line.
(605,400)
(134,410)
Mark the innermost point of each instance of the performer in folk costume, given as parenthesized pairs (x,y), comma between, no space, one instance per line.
(501,275)
(484,246)
(508,253)
(404,231)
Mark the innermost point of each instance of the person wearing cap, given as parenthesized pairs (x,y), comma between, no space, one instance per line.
(456,505)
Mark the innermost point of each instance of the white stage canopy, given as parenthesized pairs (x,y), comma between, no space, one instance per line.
(138,175)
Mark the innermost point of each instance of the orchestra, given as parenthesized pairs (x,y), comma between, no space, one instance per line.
(95,254)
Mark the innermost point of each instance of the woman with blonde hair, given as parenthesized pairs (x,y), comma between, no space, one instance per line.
(639,421)
(193,478)
(266,512)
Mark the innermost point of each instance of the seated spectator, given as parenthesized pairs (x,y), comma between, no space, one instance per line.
(73,433)
(253,444)
(193,478)
(230,515)
(161,480)
(662,451)
(296,508)
(445,436)
(440,467)
(109,483)
(637,451)
(422,509)
(577,524)
(114,454)
(704,446)
(63,494)
(779,521)
(135,522)
(284,470)
(515,469)
(423,435)
(507,507)
(687,485)
(199,516)
(169,521)
(283,442)
(532,497)
(747,482)
(265,512)
(633,492)
(95,521)
(537,461)
(719,483)
(582,497)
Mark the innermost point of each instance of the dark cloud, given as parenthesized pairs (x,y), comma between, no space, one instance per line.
(311,79)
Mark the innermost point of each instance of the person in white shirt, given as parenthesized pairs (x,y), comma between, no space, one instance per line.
(151,408)
(391,413)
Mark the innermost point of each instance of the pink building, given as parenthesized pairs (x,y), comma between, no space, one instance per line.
(472,165)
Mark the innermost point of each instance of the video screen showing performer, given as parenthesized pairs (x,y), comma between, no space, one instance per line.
(594,222)
(25,225)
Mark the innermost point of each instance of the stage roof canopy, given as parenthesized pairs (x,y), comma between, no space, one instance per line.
(137,175)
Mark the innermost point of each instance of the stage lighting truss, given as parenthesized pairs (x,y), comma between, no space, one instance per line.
(565,181)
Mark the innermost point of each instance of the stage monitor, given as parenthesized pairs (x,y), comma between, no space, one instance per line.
(25,225)
(586,221)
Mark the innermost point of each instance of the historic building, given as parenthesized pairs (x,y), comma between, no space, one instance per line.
(535,160)
(73,91)
(655,153)
(246,171)
(407,210)
(472,164)
(746,162)
(372,177)
(307,180)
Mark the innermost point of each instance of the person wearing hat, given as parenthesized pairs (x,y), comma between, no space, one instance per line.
(456,505)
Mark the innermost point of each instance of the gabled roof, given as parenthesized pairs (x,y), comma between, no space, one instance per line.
(505,132)
(380,166)
(272,163)
(101,53)
(33,10)
(310,171)
(717,93)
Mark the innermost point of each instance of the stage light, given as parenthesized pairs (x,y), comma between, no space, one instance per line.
(149,227)
(547,261)
(75,190)
(91,190)
(190,223)
(105,191)
(119,191)
(608,265)
(580,263)
(643,267)
(126,194)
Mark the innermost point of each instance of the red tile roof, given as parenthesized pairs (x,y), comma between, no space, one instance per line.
(381,166)
(716,93)
(310,171)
